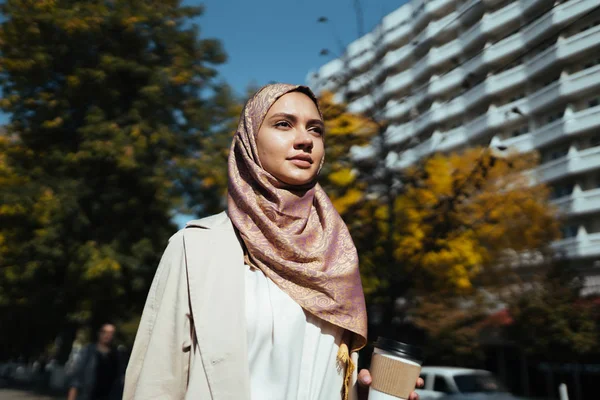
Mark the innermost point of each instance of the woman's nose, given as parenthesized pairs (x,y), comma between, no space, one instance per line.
(303,139)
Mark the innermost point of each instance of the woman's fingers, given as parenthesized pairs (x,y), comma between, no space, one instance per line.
(364,377)
(414,395)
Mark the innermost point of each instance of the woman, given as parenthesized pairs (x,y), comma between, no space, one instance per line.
(264,301)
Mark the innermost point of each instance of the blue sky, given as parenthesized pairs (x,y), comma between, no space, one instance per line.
(280,40)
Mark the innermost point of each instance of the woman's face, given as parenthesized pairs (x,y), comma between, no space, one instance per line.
(290,140)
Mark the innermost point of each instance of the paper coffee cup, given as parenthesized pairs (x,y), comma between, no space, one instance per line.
(395,367)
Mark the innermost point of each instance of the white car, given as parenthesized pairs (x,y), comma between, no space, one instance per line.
(461,383)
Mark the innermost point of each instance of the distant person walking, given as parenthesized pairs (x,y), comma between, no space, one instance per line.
(99,371)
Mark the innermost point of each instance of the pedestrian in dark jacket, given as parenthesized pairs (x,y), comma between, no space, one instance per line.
(98,374)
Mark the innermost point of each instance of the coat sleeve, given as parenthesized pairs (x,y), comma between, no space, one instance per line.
(159,362)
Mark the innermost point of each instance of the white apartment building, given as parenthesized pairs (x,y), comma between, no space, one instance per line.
(447,74)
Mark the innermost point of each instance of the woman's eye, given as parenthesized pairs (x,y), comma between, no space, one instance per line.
(317,130)
(283,124)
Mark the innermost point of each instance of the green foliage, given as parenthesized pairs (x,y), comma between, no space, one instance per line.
(112,108)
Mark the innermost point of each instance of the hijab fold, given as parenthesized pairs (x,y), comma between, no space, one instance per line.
(293,234)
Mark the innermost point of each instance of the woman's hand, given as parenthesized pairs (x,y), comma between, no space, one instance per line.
(364,381)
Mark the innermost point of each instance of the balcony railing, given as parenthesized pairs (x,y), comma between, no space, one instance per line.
(584,246)
(575,162)
(581,202)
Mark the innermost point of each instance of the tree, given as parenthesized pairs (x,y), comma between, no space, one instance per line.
(456,219)
(339,175)
(551,322)
(109,101)
(450,327)
(204,178)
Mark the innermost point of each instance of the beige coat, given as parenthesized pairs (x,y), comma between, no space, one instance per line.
(200,278)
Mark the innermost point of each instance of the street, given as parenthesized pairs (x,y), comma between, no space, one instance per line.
(11,394)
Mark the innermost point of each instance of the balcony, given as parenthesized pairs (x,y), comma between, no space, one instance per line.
(563,50)
(504,48)
(441,85)
(363,153)
(435,57)
(490,23)
(395,134)
(577,44)
(582,246)
(575,162)
(398,82)
(581,121)
(495,84)
(466,6)
(495,118)
(491,85)
(504,16)
(395,57)
(361,104)
(453,139)
(586,80)
(434,6)
(513,44)
(396,35)
(568,85)
(398,110)
(558,16)
(433,29)
(421,14)
(579,202)
(361,62)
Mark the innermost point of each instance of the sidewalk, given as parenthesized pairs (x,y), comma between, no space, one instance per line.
(12,394)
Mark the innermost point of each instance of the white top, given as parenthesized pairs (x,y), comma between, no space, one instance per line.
(292,354)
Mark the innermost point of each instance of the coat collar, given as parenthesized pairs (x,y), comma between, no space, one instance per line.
(216,284)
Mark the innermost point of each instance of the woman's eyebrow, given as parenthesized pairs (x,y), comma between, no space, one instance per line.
(291,117)
(316,122)
(294,119)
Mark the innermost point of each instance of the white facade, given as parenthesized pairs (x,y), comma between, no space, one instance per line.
(525,74)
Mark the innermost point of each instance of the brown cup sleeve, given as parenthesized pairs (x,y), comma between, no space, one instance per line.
(393,377)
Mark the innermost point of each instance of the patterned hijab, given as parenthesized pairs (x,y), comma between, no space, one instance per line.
(293,234)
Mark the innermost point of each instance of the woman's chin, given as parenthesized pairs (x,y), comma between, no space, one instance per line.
(296,179)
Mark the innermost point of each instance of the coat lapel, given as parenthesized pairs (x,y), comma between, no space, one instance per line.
(215,270)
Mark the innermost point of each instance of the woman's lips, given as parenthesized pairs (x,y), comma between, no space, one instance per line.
(302,161)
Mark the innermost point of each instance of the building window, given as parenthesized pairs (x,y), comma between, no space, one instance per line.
(520,131)
(555,154)
(569,231)
(516,97)
(559,191)
(590,25)
(594,140)
(554,117)
(591,63)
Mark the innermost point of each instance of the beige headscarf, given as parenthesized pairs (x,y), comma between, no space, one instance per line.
(293,234)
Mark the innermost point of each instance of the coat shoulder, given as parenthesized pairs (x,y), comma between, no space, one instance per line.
(216,221)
